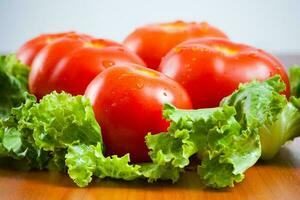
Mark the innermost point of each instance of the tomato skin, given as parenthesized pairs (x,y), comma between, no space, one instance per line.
(77,69)
(152,42)
(46,60)
(30,49)
(69,63)
(210,68)
(128,103)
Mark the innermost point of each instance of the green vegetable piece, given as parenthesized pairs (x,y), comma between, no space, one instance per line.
(285,128)
(13,83)
(17,141)
(84,161)
(262,107)
(257,103)
(60,120)
(226,149)
(294,75)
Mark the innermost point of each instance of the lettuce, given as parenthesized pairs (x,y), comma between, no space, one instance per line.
(226,149)
(294,75)
(42,132)
(286,127)
(84,161)
(13,83)
(60,120)
(277,119)
(17,141)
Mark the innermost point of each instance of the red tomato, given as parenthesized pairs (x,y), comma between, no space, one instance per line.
(69,64)
(30,49)
(85,64)
(128,103)
(45,61)
(152,42)
(210,68)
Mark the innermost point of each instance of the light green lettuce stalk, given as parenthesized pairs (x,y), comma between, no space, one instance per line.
(276,119)
(294,75)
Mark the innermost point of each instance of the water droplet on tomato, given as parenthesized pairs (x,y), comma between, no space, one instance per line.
(196,49)
(177,49)
(108,63)
(140,85)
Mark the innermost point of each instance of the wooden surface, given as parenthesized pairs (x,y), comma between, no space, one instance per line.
(277,179)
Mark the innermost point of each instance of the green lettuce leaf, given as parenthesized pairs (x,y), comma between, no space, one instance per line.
(60,120)
(285,128)
(262,107)
(226,150)
(84,161)
(17,141)
(294,76)
(257,103)
(13,83)
(40,133)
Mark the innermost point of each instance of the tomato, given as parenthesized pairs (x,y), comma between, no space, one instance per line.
(69,64)
(153,41)
(46,60)
(128,102)
(211,68)
(86,64)
(30,49)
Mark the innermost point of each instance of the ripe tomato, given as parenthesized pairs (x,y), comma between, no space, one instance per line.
(69,64)
(30,49)
(210,68)
(128,102)
(152,42)
(86,64)
(45,62)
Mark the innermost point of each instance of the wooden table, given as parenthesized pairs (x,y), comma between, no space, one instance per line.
(277,179)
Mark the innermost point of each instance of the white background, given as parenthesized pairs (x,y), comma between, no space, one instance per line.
(273,25)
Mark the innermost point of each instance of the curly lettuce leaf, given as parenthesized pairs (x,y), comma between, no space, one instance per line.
(226,149)
(60,120)
(13,83)
(257,103)
(41,133)
(285,128)
(262,107)
(294,75)
(17,141)
(84,161)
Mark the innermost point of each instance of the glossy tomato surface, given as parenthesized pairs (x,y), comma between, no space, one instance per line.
(210,68)
(69,64)
(45,62)
(30,49)
(152,42)
(128,103)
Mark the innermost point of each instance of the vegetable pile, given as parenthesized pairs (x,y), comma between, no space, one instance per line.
(88,106)
(60,133)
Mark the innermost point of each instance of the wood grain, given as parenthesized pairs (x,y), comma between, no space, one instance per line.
(277,179)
